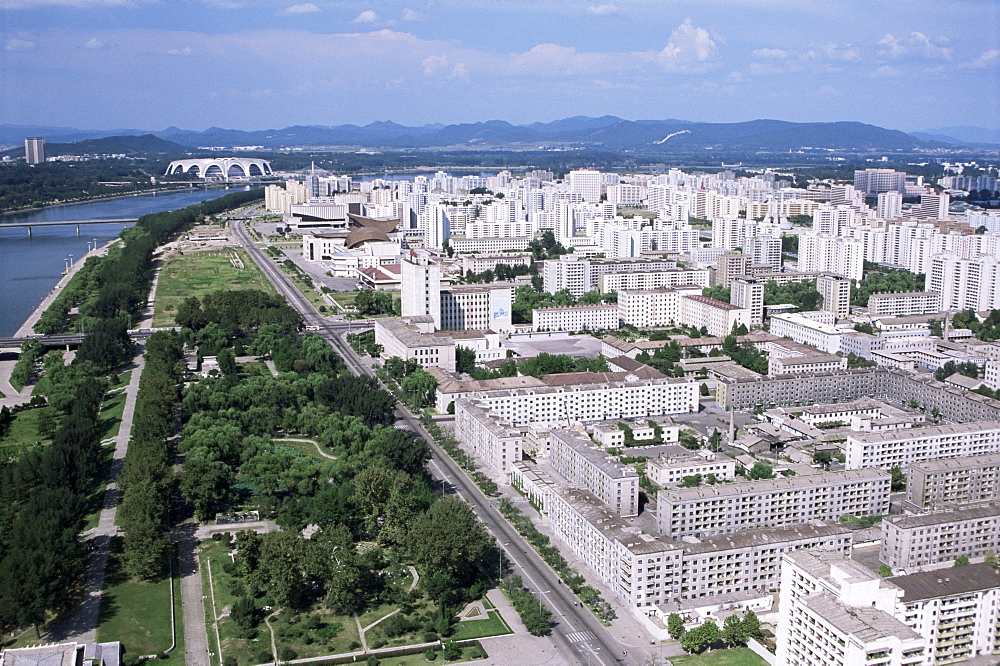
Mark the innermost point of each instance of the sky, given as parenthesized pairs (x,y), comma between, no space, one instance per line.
(260,64)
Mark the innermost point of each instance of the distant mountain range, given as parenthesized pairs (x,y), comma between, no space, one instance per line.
(604,133)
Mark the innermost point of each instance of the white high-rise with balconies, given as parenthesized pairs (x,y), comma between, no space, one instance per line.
(586,183)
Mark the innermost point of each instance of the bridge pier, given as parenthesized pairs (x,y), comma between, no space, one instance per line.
(78,230)
(29,232)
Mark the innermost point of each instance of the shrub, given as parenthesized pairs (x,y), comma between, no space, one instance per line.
(430,654)
(287,654)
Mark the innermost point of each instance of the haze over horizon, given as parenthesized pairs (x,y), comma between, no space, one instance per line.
(262,64)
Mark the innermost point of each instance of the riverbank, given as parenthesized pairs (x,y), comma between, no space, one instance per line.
(27,328)
(112,197)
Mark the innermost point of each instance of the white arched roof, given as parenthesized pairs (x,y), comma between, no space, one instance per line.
(221,168)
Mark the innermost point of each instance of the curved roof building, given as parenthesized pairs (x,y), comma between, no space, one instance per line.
(221,168)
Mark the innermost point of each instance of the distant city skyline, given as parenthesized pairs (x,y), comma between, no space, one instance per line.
(258,64)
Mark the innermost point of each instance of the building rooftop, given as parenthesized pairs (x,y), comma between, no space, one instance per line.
(711,302)
(763,537)
(948,582)
(596,457)
(902,294)
(956,464)
(866,624)
(988,510)
(930,431)
(402,329)
(740,488)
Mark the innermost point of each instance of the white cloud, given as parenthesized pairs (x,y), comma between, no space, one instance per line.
(602,10)
(368,16)
(410,15)
(916,44)
(887,72)
(304,8)
(770,54)
(836,52)
(459,71)
(689,45)
(186,51)
(18,44)
(94,43)
(432,64)
(989,58)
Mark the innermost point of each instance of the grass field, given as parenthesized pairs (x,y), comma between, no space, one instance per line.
(23,430)
(110,419)
(733,657)
(199,273)
(491,626)
(137,613)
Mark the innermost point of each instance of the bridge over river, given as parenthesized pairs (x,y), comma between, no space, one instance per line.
(124,221)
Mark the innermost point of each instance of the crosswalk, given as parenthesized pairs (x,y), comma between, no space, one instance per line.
(580,636)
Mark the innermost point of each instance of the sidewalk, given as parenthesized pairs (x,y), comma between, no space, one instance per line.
(519,648)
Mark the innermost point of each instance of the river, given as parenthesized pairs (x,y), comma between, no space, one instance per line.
(30,266)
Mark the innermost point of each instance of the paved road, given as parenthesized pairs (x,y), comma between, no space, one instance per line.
(578,635)
(82,626)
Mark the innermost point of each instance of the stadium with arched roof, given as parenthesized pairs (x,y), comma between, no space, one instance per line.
(221,168)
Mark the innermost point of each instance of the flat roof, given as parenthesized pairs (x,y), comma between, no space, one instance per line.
(739,488)
(990,510)
(948,582)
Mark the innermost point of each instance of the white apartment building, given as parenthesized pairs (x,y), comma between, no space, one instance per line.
(576,459)
(414,338)
(807,364)
(486,436)
(950,482)
(902,448)
(932,538)
(462,245)
(477,308)
(904,304)
(478,263)
(652,279)
(828,219)
(576,318)
(965,283)
(764,250)
(586,183)
(889,205)
(794,500)
(420,285)
(874,181)
(621,242)
(747,293)
(717,317)
(569,272)
(831,254)
(583,403)
(645,571)
(808,331)
(836,293)
(653,307)
(835,612)
(670,469)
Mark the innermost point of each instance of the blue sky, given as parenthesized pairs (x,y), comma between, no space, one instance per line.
(257,64)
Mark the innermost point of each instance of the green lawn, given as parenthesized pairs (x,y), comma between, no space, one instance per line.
(199,273)
(491,626)
(110,419)
(257,650)
(137,613)
(303,447)
(123,380)
(95,500)
(23,430)
(733,657)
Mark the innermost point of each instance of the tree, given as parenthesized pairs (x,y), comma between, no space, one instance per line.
(733,631)
(695,640)
(703,390)
(898,479)
(823,458)
(961,560)
(675,626)
(991,558)
(448,538)
(884,570)
(760,470)
(751,625)
(465,359)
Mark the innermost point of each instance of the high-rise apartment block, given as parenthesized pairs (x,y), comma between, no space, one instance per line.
(836,293)
(34,150)
(747,292)
(587,183)
(874,181)
(420,286)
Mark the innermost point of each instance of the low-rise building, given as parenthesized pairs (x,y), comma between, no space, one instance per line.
(902,448)
(950,482)
(575,458)
(736,507)
(807,330)
(670,468)
(652,279)
(932,538)
(834,611)
(479,263)
(478,308)
(904,304)
(414,338)
(792,365)
(717,317)
(576,318)
(493,441)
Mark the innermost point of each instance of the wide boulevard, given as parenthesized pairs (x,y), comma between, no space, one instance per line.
(577,633)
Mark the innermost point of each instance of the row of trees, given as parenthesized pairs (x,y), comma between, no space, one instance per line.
(43,501)
(528,298)
(735,631)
